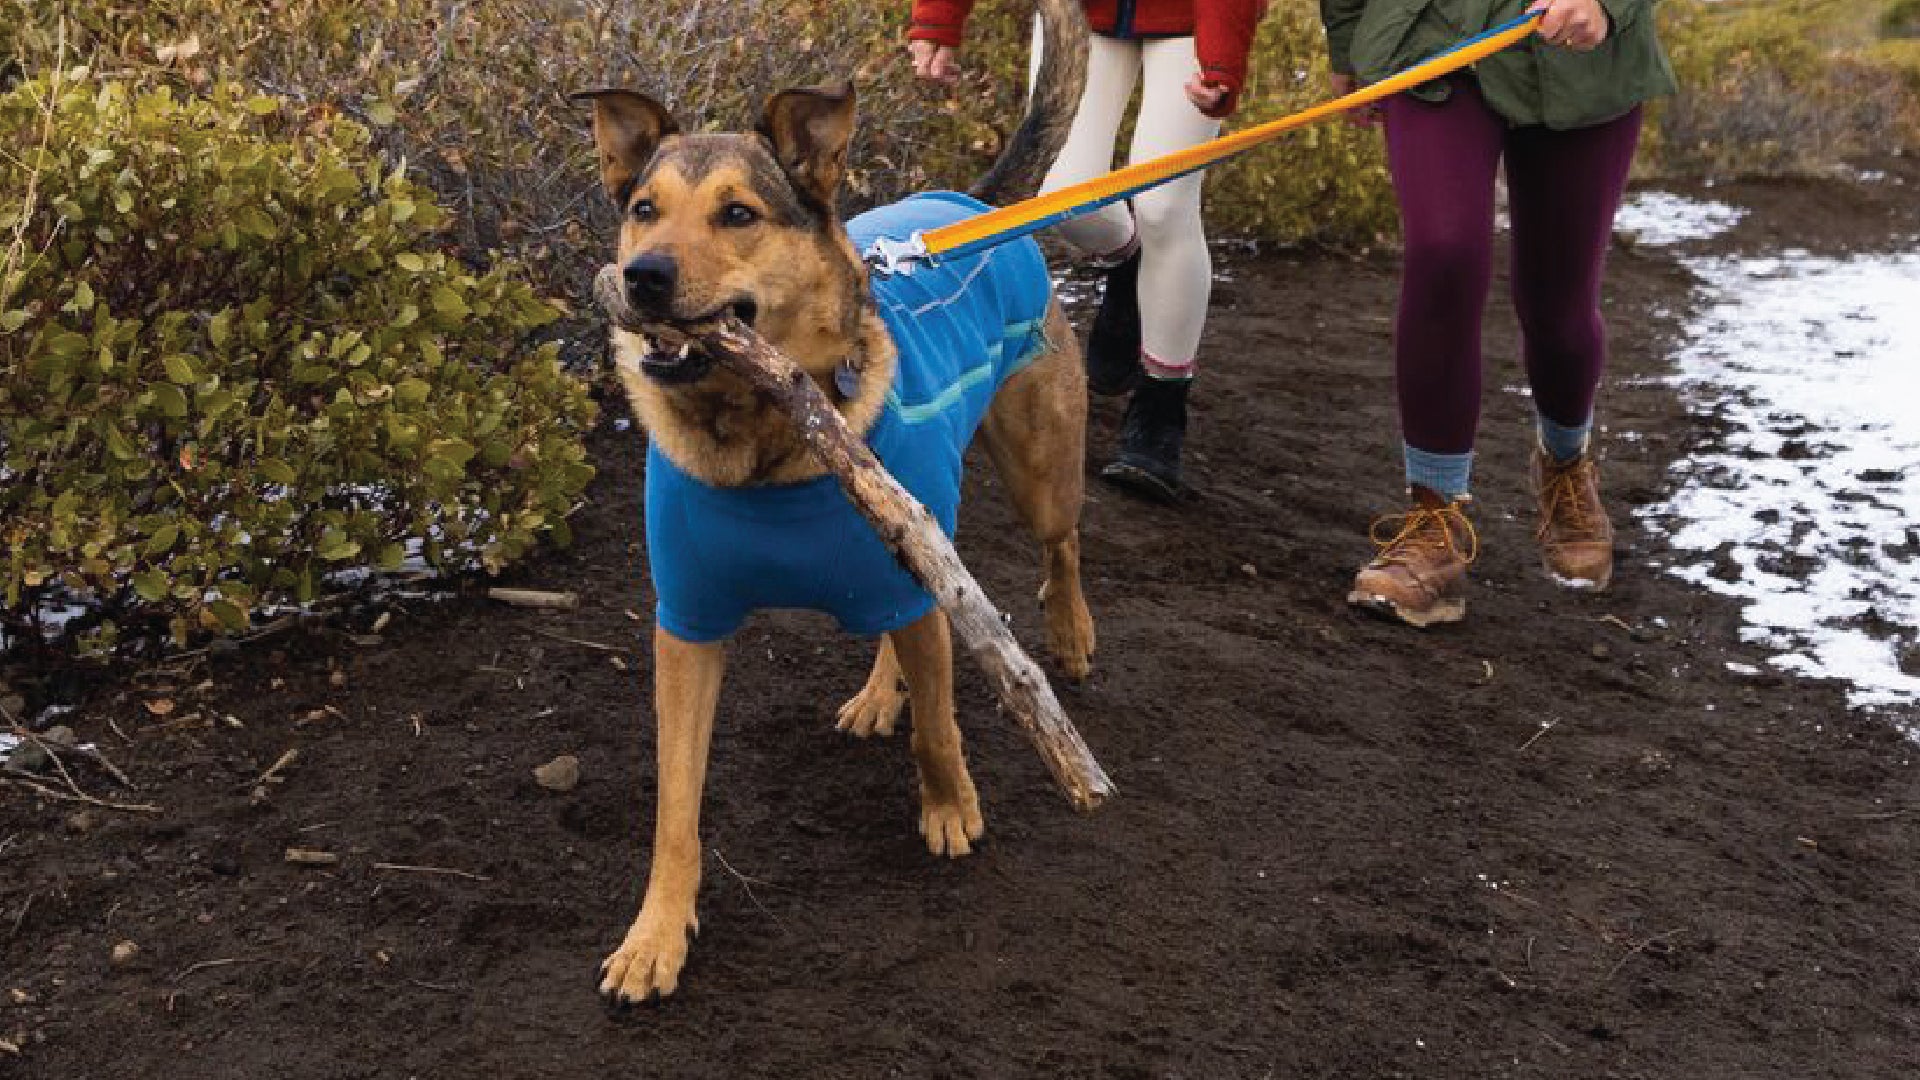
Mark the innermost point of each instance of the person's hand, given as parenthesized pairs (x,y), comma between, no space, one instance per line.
(1580,25)
(1206,96)
(936,63)
(1366,116)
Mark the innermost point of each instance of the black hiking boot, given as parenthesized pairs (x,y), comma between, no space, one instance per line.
(1151,432)
(1113,345)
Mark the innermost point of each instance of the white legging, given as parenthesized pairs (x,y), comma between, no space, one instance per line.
(1176,271)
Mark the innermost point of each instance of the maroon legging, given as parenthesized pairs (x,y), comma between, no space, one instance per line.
(1562,190)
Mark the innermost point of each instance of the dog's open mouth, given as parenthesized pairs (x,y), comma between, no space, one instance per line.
(686,363)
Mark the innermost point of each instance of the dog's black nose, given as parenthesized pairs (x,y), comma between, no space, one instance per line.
(650,280)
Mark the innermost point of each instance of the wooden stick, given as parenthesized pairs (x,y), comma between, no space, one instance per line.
(541,599)
(904,526)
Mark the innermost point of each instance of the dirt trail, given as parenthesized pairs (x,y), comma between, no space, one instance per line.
(1560,840)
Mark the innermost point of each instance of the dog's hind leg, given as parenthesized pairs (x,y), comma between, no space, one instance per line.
(686,684)
(876,708)
(1036,433)
(949,808)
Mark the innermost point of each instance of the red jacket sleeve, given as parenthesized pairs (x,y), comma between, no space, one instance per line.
(939,21)
(1223,36)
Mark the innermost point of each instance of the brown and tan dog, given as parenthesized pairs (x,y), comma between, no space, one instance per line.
(743,223)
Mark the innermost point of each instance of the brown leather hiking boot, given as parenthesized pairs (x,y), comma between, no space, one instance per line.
(1420,575)
(1576,539)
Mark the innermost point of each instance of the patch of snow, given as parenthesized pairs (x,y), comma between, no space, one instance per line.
(1662,219)
(1805,506)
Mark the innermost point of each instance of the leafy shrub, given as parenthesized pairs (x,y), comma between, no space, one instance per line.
(1776,86)
(1901,19)
(473,96)
(233,361)
(1326,183)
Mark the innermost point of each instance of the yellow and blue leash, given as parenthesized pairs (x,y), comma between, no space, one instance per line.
(998,226)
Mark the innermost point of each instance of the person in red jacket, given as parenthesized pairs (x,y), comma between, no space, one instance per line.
(1189,58)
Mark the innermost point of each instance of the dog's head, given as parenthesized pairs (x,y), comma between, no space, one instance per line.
(738,224)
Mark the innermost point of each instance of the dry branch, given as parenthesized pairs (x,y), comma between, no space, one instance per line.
(539,599)
(903,525)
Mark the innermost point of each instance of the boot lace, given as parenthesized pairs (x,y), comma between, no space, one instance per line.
(1568,511)
(1423,530)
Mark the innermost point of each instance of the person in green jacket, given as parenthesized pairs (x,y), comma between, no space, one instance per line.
(1562,108)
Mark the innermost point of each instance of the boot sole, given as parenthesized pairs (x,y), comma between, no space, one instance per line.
(1443,611)
(1141,482)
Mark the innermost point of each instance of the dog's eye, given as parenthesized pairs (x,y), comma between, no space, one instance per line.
(644,210)
(738,215)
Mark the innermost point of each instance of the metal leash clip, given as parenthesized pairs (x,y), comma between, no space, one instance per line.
(894,257)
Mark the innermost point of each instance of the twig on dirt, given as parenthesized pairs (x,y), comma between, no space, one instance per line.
(1638,948)
(431,870)
(266,630)
(1613,620)
(444,988)
(1888,815)
(1545,726)
(272,775)
(1486,666)
(80,797)
(1557,1044)
(581,641)
(116,730)
(20,919)
(99,758)
(538,599)
(311,857)
(746,883)
(225,961)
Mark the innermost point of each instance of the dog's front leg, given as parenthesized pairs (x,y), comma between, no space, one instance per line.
(686,692)
(949,808)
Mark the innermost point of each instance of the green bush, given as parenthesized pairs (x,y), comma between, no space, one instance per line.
(1324,184)
(1901,19)
(1776,86)
(474,97)
(233,361)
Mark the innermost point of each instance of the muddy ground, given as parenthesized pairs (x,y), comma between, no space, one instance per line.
(1560,840)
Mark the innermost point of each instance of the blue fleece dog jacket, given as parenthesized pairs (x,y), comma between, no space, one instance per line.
(962,328)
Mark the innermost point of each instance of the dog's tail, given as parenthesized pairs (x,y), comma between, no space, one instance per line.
(1050,108)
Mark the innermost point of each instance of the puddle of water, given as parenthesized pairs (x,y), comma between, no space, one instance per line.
(1805,504)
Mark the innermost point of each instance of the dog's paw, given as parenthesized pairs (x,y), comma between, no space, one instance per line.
(1070,636)
(647,964)
(951,827)
(872,712)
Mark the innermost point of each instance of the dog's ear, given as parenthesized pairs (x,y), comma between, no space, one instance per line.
(809,130)
(627,129)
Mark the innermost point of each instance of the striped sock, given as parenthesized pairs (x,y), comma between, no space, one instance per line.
(1447,475)
(1563,443)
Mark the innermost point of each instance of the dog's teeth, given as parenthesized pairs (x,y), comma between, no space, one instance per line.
(685,348)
